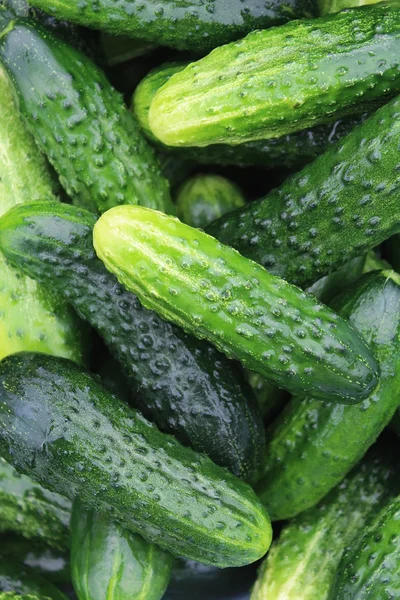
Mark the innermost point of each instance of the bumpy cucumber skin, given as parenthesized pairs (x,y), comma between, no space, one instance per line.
(111,563)
(302,563)
(369,570)
(193,24)
(50,563)
(30,510)
(80,122)
(340,206)
(87,444)
(213,292)
(14,577)
(319,443)
(275,82)
(184,385)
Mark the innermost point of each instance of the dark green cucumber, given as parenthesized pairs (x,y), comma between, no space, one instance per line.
(370,568)
(111,563)
(80,122)
(182,24)
(85,443)
(50,563)
(182,384)
(285,79)
(318,443)
(290,151)
(204,198)
(341,205)
(17,578)
(30,510)
(302,563)
(213,292)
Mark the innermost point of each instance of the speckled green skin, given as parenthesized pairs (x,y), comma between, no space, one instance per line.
(370,569)
(213,292)
(109,562)
(185,386)
(50,563)
(302,563)
(204,198)
(341,205)
(80,122)
(292,151)
(30,510)
(319,443)
(85,443)
(14,577)
(282,80)
(192,24)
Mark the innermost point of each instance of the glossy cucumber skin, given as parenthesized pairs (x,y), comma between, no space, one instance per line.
(86,443)
(184,385)
(369,570)
(336,208)
(50,563)
(320,443)
(111,563)
(80,122)
(275,329)
(302,562)
(192,24)
(30,510)
(285,79)
(291,151)
(14,577)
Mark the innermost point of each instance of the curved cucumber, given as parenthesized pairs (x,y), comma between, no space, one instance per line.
(22,580)
(319,443)
(341,205)
(281,80)
(111,563)
(184,385)
(182,24)
(370,568)
(30,510)
(87,444)
(80,122)
(213,292)
(303,561)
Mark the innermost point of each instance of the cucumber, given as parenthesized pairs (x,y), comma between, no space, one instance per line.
(22,580)
(30,510)
(332,6)
(290,151)
(320,443)
(302,562)
(370,568)
(80,122)
(87,444)
(182,24)
(212,292)
(50,563)
(184,385)
(111,563)
(337,208)
(278,81)
(204,198)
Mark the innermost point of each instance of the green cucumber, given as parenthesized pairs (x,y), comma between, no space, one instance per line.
(111,563)
(30,510)
(182,24)
(213,292)
(50,563)
(80,122)
(85,443)
(17,578)
(338,207)
(204,198)
(184,385)
(319,443)
(369,570)
(333,6)
(302,562)
(285,79)
(290,151)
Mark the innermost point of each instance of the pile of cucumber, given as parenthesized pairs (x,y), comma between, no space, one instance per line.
(199,300)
